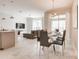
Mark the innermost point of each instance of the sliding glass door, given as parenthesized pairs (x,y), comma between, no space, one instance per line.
(58,22)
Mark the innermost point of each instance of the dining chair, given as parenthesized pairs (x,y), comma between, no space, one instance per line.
(60,41)
(44,40)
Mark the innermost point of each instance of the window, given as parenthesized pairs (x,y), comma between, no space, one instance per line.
(58,22)
(36,24)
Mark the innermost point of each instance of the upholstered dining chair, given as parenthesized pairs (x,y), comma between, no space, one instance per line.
(59,41)
(44,40)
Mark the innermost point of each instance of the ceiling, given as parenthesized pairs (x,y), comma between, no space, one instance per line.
(27,7)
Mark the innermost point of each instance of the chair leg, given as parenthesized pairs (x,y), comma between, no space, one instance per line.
(54,47)
(62,50)
(43,48)
(39,50)
(64,44)
(48,53)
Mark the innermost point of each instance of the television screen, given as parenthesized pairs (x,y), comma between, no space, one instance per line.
(20,26)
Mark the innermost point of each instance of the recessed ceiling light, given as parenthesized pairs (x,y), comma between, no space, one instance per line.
(3,5)
(11,17)
(20,11)
(12,1)
(3,18)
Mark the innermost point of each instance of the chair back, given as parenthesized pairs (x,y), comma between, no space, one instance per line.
(43,38)
(34,32)
(38,35)
(64,34)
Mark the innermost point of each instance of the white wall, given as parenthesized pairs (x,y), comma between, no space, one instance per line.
(18,18)
(47,22)
(29,24)
(74,25)
(11,23)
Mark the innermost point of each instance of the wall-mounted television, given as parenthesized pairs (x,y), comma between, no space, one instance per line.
(20,26)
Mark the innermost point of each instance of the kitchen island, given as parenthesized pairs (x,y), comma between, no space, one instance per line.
(7,39)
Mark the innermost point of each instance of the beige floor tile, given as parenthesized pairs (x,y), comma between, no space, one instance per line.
(29,49)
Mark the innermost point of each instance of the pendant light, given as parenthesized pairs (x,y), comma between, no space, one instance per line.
(53,1)
(53,7)
(58,21)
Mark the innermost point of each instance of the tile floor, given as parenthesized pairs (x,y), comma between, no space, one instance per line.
(29,49)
